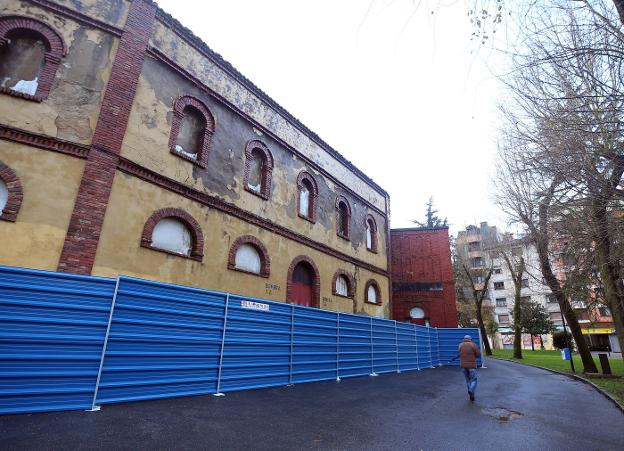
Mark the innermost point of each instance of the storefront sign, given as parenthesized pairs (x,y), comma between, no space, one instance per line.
(598,330)
(252,305)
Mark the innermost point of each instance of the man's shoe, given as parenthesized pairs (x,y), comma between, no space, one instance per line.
(471,396)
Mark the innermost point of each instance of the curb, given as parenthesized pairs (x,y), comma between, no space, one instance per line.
(571,376)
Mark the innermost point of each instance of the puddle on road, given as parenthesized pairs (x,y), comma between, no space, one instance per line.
(501,414)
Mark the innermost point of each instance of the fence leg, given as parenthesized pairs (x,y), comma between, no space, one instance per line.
(372,349)
(338,348)
(396,342)
(227,302)
(438,337)
(429,338)
(292,345)
(416,341)
(482,351)
(95,408)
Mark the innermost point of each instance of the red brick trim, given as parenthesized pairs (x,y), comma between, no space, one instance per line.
(15,193)
(17,135)
(316,283)
(209,127)
(136,170)
(267,169)
(55,50)
(85,226)
(343,200)
(77,16)
(374,233)
(265,261)
(305,176)
(350,283)
(375,285)
(197,237)
(158,55)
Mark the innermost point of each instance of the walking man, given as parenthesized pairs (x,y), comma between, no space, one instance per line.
(468,353)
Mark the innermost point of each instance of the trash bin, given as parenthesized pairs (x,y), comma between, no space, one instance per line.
(565,354)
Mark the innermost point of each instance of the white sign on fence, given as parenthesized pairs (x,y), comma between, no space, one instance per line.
(255,305)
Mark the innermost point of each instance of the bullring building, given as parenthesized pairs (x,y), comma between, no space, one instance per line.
(127,146)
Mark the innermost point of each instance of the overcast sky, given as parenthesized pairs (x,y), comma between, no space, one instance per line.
(396,89)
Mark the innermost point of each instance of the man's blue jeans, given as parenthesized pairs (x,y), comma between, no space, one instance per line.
(471,378)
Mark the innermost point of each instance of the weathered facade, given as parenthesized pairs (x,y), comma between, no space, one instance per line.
(130,147)
(423,285)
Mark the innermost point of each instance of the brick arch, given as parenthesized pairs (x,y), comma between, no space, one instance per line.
(375,285)
(15,193)
(343,200)
(265,261)
(316,282)
(374,234)
(265,186)
(350,283)
(197,237)
(179,105)
(55,50)
(306,176)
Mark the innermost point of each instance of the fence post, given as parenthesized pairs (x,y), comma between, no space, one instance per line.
(95,408)
(438,336)
(292,344)
(429,338)
(372,349)
(227,303)
(396,341)
(416,340)
(338,347)
(482,349)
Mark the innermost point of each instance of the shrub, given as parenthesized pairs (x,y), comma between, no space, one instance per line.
(559,340)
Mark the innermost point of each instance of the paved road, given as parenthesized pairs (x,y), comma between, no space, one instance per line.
(517,407)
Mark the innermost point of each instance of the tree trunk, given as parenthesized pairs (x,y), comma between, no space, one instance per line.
(541,343)
(486,342)
(532,345)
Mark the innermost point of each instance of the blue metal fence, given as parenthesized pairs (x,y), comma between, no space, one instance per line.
(77,342)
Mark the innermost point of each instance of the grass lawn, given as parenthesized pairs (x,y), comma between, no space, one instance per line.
(553,360)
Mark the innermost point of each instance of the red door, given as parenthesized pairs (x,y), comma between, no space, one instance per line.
(301,285)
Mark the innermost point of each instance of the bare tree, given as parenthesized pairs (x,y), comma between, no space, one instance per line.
(516,266)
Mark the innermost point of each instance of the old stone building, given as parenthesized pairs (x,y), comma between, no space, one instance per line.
(129,147)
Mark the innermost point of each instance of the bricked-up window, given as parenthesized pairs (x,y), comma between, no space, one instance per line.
(371,234)
(307,196)
(372,293)
(30,53)
(343,217)
(174,231)
(249,255)
(192,128)
(343,284)
(11,194)
(258,169)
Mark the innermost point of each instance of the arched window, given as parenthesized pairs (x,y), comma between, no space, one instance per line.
(372,292)
(174,231)
(258,169)
(371,234)
(192,128)
(30,53)
(307,196)
(343,217)
(248,254)
(10,193)
(343,284)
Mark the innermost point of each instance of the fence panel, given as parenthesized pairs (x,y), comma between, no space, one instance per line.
(164,341)
(355,358)
(424,346)
(315,345)
(435,348)
(257,344)
(52,327)
(406,337)
(449,341)
(384,346)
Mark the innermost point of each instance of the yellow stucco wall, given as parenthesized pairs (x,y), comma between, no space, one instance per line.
(221,82)
(50,183)
(133,201)
(72,108)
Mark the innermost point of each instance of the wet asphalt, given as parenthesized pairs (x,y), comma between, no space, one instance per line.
(517,408)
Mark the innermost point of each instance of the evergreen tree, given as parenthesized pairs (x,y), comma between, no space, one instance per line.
(432,219)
